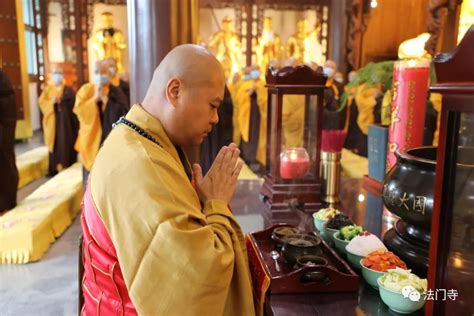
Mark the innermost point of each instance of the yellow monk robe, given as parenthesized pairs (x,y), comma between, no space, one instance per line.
(176,257)
(293,120)
(242,106)
(90,129)
(365,100)
(46,104)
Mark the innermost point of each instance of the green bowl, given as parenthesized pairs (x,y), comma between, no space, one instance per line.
(354,259)
(371,276)
(396,302)
(319,223)
(329,232)
(340,243)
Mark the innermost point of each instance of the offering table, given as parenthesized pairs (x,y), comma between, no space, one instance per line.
(363,207)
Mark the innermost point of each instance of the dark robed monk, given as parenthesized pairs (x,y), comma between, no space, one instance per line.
(8,170)
(60,124)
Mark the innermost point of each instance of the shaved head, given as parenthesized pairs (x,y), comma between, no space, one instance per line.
(185,93)
(192,64)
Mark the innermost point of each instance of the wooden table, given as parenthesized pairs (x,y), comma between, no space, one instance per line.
(363,207)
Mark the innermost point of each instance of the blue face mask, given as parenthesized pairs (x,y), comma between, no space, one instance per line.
(328,71)
(101,79)
(247,77)
(255,74)
(57,78)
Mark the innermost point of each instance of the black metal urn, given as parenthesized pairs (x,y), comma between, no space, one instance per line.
(408,193)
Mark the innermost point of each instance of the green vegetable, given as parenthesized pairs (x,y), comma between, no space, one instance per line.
(349,232)
(396,279)
(326,213)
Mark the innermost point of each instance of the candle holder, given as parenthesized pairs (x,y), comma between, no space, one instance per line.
(294,163)
(295,103)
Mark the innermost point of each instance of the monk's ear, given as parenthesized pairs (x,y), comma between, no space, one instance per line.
(173,89)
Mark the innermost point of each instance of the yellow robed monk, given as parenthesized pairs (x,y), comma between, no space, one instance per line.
(98,105)
(250,102)
(332,117)
(116,80)
(161,232)
(60,124)
(293,120)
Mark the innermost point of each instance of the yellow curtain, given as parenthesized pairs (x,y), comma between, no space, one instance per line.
(184,21)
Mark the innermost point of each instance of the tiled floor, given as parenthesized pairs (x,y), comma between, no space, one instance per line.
(47,287)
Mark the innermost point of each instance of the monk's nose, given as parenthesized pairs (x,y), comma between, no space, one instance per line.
(215,118)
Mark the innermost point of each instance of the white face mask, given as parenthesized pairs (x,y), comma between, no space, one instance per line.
(328,71)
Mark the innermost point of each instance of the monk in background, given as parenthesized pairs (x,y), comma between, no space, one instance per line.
(116,80)
(98,105)
(60,124)
(164,240)
(8,170)
(220,135)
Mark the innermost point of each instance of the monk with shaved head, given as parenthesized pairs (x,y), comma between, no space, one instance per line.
(159,238)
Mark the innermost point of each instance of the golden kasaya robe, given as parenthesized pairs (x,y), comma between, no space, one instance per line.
(90,129)
(365,101)
(242,106)
(177,257)
(46,104)
(293,120)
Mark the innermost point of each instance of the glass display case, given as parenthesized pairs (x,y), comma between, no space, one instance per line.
(451,263)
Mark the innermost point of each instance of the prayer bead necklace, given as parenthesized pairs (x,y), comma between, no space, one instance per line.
(136,128)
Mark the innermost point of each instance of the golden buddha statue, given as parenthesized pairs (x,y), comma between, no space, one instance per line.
(227,46)
(315,52)
(298,44)
(268,44)
(109,41)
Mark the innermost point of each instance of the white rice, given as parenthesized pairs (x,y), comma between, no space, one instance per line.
(363,245)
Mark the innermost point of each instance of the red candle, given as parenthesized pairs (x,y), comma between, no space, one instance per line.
(410,88)
(294,165)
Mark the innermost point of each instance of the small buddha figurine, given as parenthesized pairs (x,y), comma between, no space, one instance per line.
(109,41)
(268,48)
(298,44)
(315,52)
(227,46)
